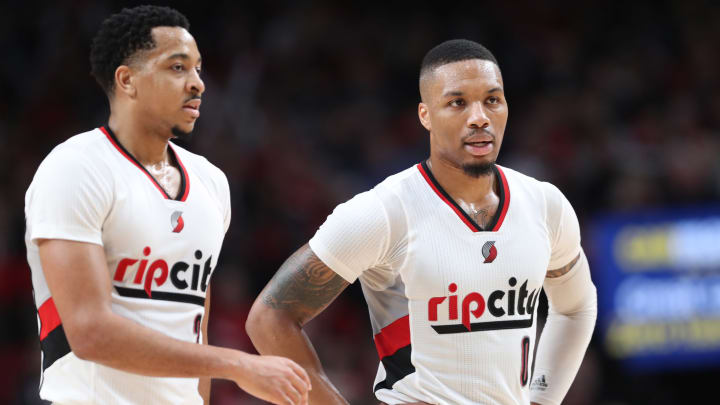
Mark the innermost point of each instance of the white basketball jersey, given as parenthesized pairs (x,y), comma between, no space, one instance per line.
(452,305)
(160,254)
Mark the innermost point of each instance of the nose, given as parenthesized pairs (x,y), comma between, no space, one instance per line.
(478,117)
(195,84)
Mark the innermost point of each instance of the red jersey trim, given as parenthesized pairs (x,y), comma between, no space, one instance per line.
(499,215)
(184,181)
(185,177)
(49,318)
(393,337)
(459,212)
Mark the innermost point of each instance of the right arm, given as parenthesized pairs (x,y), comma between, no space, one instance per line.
(302,288)
(97,334)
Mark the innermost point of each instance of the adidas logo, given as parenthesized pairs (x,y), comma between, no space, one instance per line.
(539,383)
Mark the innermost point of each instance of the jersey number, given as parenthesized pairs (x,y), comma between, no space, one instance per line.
(525,349)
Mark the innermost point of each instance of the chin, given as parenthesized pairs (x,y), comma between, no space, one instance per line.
(182,131)
(479,168)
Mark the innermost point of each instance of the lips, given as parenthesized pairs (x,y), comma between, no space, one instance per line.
(479,148)
(479,143)
(192,107)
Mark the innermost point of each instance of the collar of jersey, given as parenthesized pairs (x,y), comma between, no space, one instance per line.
(184,179)
(499,217)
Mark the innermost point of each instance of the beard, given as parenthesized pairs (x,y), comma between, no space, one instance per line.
(476,170)
(179,133)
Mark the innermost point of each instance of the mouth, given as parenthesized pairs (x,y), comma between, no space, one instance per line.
(479,148)
(192,107)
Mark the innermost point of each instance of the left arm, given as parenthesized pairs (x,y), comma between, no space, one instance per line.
(572,304)
(570,323)
(204,385)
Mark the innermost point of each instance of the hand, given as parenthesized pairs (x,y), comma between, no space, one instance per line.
(275,379)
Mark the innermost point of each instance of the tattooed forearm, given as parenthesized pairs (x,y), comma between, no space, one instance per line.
(562,270)
(303,286)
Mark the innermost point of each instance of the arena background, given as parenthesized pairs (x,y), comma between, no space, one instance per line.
(308,103)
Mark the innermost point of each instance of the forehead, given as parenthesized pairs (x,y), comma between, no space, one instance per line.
(173,40)
(474,74)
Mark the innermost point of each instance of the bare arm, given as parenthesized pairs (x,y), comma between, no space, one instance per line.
(80,285)
(204,384)
(302,288)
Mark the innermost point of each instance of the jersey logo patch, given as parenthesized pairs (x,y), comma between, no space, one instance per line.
(489,251)
(177,223)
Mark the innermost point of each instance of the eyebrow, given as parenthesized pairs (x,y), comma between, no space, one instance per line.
(183,56)
(457,93)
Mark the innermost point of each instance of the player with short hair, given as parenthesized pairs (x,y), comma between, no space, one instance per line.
(451,255)
(124,230)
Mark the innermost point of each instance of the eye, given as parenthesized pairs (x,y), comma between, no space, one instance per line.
(198,70)
(178,67)
(493,100)
(458,102)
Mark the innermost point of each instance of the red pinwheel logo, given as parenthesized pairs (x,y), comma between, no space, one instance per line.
(489,251)
(176,221)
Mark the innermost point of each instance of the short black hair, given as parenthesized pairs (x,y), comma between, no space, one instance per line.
(123,34)
(454,50)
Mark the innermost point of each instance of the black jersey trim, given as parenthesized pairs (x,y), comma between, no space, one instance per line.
(161,295)
(484,326)
(502,206)
(54,347)
(184,182)
(397,366)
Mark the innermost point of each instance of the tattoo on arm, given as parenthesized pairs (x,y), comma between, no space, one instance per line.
(564,269)
(303,286)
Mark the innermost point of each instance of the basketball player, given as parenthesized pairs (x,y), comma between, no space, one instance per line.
(451,255)
(124,230)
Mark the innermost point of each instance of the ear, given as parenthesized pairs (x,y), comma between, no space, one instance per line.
(424,116)
(124,81)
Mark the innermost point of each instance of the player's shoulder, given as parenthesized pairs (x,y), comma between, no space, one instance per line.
(90,141)
(80,161)
(397,182)
(198,163)
(88,150)
(539,192)
(201,167)
(535,186)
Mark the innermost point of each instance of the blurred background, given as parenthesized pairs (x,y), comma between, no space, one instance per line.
(309,103)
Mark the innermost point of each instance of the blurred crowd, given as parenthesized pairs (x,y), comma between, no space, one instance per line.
(308,103)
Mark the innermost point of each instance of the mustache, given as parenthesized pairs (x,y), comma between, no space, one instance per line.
(193,97)
(475,131)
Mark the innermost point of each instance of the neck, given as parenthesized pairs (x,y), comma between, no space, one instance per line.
(461,186)
(147,146)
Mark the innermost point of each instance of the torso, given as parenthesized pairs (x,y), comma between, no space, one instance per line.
(458,324)
(161,252)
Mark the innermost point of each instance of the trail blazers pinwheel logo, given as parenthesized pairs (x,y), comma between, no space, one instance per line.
(177,223)
(489,251)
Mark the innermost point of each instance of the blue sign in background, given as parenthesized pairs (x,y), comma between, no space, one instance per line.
(658,279)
